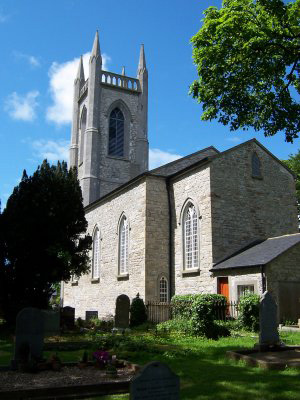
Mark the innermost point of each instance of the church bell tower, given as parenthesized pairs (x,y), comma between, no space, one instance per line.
(109,140)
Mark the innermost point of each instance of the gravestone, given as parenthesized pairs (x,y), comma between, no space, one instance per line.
(268,332)
(51,322)
(67,317)
(91,314)
(122,311)
(155,382)
(29,335)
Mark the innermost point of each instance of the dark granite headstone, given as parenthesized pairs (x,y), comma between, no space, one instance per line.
(91,314)
(268,334)
(155,382)
(29,335)
(122,312)
(67,317)
(51,322)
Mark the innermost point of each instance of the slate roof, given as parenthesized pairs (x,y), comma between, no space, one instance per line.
(185,162)
(260,254)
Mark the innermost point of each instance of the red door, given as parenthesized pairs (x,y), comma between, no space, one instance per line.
(223,287)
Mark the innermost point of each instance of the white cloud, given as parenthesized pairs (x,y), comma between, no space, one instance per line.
(234,139)
(158,157)
(3,18)
(32,60)
(22,107)
(52,150)
(61,87)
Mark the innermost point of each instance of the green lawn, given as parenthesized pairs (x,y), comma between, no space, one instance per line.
(205,372)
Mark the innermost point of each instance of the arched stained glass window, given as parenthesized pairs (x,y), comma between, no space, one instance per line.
(163,290)
(190,233)
(96,255)
(116,133)
(123,246)
(256,167)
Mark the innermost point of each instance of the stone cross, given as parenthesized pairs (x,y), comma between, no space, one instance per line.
(268,334)
(155,381)
(29,335)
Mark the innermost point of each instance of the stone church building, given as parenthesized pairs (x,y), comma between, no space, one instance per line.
(211,222)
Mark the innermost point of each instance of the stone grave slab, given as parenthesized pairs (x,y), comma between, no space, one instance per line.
(51,322)
(268,324)
(155,382)
(29,335)
(67,317)
(91,314)
(122,312)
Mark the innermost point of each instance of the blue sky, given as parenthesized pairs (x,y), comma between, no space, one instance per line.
(40,45)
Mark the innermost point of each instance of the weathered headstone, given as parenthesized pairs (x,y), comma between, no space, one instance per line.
(122,311)
(51,322)
(268,334)
(67,317)
(91,314)
(29,335)
(155,381)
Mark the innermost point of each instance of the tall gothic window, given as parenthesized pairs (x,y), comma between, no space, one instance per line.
(123,246)
(256,168)
(96,255)
(163,290)
(191,240)
(82,134)
(116,133)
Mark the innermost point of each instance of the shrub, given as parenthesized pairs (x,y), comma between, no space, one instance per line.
(138,314)
(249,312)
(200,311)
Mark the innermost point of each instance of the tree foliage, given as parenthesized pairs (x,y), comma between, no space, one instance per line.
(294,164)
(247,56)
(43,237)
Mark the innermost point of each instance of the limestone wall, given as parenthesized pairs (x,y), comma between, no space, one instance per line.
(101,296)
(194,186)
(157,236)
(246,208)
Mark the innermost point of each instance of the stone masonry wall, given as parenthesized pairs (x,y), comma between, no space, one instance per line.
(285,270)
(157,236)
(101,296)
(194,186)
(246,208)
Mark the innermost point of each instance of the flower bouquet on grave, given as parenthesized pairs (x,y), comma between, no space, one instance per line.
(55,362)
(102,358)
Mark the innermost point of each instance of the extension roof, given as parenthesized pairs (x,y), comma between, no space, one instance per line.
(259,254)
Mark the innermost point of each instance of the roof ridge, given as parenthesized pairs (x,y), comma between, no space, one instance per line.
(182,158)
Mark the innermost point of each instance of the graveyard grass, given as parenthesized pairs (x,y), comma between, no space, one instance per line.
(204,370)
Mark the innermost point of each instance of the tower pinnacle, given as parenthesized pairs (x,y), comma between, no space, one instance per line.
(80,72)
(96,47)
(142,62)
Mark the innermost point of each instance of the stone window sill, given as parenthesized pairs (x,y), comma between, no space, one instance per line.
(123,277)
(118,158)
(95,280)
(191,272)
(74,283)
(257,177)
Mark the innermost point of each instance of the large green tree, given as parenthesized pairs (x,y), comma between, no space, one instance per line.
(247,55)
(43,238)
(294,164)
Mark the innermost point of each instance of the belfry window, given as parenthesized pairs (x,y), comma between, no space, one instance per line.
(256,167)
(163,290)
(123,246)
(82,134)
(96,255)
(116,133)
(190,234)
